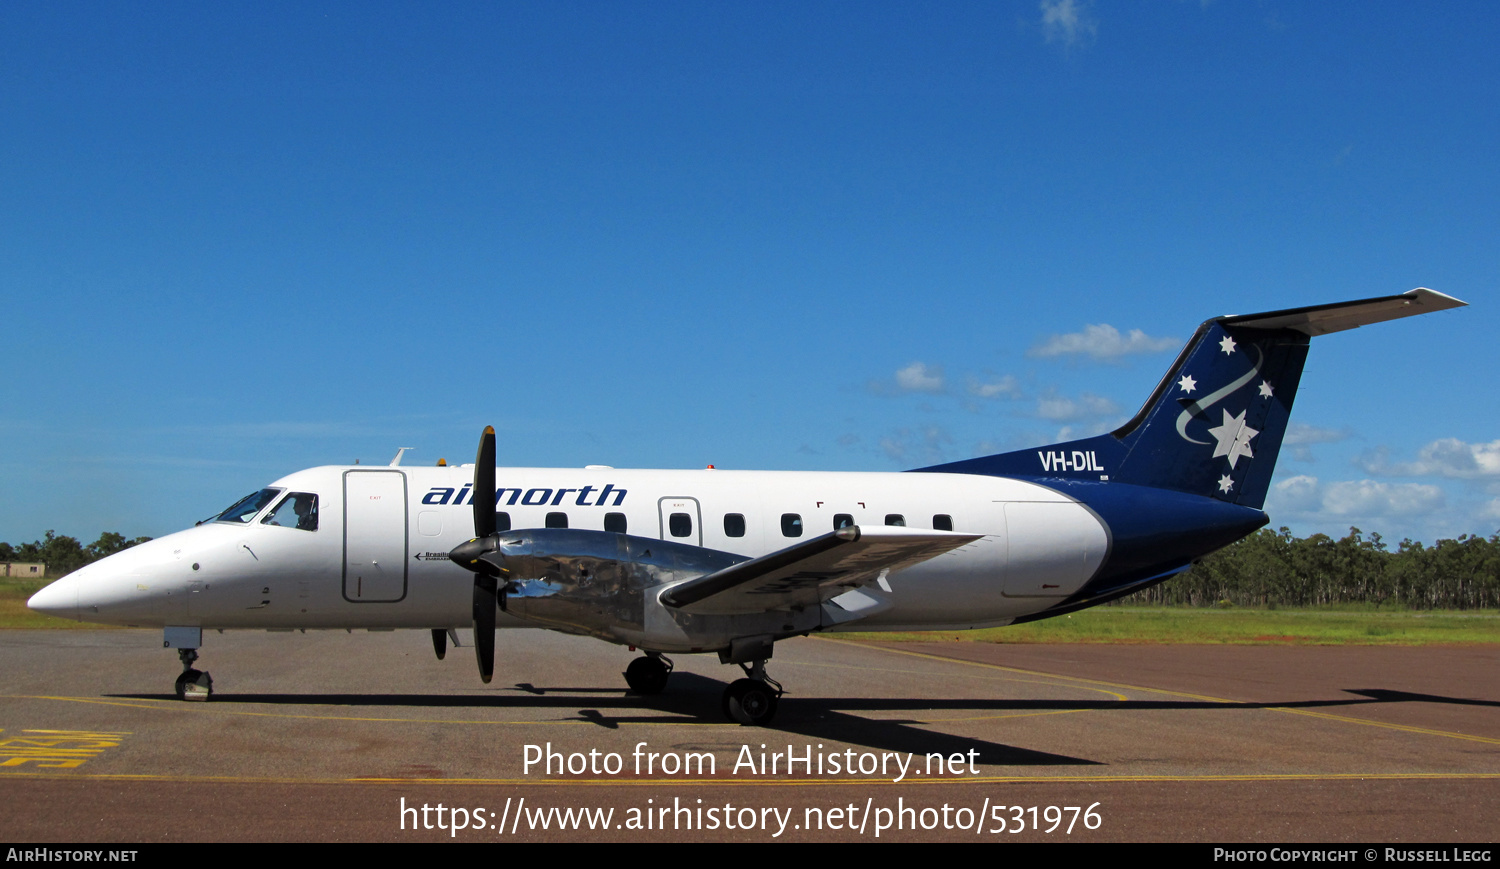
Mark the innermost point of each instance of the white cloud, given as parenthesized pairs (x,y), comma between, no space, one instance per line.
(928,444)
(1085,430)
(916,377)
(1068,22)
(1302,433)
(1356,498)
(1301,436)
(1102,342)
(1299,494)
(1449,457)
(1005,387)
(1373,498)
(1060,408)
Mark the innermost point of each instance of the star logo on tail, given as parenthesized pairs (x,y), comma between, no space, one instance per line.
(1232,438)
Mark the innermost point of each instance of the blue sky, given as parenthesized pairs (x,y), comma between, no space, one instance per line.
(239,239)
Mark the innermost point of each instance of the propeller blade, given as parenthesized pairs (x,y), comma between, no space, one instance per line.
(484,625)
(483,556)
(484,485)
(440,642)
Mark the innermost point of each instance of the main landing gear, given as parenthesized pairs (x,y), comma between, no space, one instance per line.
(752,700)
(648,674)
(192,684)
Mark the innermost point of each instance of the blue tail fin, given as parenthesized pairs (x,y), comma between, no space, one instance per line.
(1215,423)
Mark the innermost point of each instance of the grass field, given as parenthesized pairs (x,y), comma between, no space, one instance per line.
(13,611)
(1343,626)
(1109,624)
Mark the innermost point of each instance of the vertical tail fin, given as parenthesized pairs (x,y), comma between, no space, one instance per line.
(1215,423)
(1214,426)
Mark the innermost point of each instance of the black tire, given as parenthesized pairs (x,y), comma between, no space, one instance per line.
(751,702)
(647,675)
(193,677)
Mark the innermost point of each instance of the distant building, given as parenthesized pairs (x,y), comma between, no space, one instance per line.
(24,571)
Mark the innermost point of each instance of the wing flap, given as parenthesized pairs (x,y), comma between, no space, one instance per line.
(808,573)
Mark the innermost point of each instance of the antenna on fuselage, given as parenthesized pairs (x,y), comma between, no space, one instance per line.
(399,453)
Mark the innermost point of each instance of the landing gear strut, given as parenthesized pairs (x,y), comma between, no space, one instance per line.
(752,700)
(648,674)
(192,684)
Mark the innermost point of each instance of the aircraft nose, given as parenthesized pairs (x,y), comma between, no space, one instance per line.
(59,599)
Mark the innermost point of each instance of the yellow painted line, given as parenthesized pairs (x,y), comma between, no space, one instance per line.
(763,782)
(989,717)
(56,749)
(128,705)
(1425,731)
(211,708)
(1046,678)
(1036,673)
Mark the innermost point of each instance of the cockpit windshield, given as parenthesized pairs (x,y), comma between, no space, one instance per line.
(245,509)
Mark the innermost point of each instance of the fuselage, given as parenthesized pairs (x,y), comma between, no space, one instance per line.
(378,556)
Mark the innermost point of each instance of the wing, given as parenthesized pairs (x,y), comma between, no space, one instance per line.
(812,571)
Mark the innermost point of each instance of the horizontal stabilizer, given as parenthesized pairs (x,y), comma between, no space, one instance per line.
(811,572)
(1325,319)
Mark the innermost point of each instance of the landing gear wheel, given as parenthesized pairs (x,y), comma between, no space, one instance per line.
(648,674)
(194,685)
(751,701)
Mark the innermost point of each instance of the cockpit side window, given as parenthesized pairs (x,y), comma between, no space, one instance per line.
(298,510)
(244,510)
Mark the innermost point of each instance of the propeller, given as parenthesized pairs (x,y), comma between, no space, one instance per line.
(482,555)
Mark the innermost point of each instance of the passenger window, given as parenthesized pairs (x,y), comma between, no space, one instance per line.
(614,523)
(502,521)
(298,510)
(895,519)
(791,525)
(734,525)
(557,520)
(680,525)
(842,520)
(942,522)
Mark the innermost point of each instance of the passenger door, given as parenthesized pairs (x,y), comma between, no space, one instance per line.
(375,533)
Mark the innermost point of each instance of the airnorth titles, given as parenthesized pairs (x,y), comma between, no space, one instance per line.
(608,496)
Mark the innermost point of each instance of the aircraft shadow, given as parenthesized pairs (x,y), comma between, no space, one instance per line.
(1384,696)
(689,694)
(813,718)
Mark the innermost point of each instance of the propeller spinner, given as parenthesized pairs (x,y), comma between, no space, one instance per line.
(482,555)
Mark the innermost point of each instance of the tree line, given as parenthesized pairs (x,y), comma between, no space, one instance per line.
(63,555)
(1273,568)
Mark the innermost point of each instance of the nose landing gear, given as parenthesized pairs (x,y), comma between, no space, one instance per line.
(192,684)
(648,674)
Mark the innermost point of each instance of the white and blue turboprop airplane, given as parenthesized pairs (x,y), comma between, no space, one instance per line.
(732,561)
